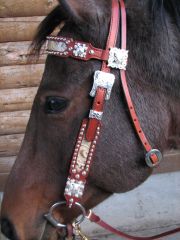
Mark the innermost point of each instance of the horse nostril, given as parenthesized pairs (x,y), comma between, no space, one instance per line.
(8,229)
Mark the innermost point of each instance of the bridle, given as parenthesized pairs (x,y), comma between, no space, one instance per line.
(87,139)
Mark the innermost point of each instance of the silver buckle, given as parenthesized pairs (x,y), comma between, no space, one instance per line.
(118,58)
(95,114)
(148,157)
(104,80)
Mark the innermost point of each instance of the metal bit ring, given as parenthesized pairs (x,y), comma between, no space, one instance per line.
(49,216)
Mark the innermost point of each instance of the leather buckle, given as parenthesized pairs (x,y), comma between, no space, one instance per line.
(118,58)
(104,80)
(149,155)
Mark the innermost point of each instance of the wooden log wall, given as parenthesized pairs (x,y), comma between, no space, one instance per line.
(19,79)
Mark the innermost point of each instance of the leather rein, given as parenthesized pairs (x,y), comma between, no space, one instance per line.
(82,158)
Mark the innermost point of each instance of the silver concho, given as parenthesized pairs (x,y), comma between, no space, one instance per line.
(74,188)
(118,58)
(104,80)
(80,50)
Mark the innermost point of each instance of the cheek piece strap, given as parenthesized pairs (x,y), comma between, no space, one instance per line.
(82,158)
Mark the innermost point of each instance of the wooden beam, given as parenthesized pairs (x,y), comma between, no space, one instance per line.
(20,76)
(10,144)
(3,179)
(16,53)
(21,8)
(13,122)
(170,163)
(6,164)
(18,29)
(17,99)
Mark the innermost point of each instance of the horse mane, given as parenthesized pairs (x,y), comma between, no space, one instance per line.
(172,7)
(47,26)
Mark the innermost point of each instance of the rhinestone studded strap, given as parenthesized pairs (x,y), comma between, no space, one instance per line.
(90,129)
(68,47)
(99,101)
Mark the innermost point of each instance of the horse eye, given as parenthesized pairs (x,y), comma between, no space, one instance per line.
(55,104)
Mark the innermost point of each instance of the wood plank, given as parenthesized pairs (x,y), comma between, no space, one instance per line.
(21,8)
(20,76)
(18,29)
(17,99)
(17,53)
(3,179)
(10,144)
(170,163)
(6,164)
(13,122)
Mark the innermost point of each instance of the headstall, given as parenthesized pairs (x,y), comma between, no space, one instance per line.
(111,57)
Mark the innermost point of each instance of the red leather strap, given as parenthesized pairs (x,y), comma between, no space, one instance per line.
(96,219)
(111,42)
(130,104)
(54,48)
(98,105)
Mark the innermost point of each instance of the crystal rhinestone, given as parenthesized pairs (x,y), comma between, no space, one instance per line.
(84,173)
(88,162)
(74,171)
(91,52)
(77,176)
(80,50)
(71,200)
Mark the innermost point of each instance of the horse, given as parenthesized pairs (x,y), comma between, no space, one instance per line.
(39,174)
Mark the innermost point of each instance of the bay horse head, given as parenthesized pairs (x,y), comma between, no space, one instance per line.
(39,175)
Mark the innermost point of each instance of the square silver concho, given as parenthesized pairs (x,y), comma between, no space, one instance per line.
(118,58)
(104,80)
